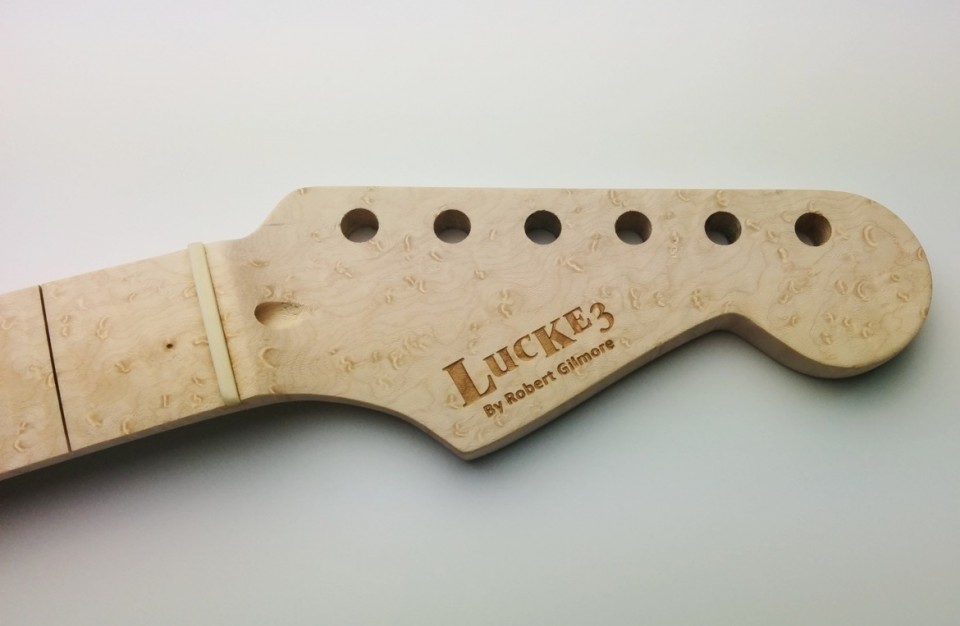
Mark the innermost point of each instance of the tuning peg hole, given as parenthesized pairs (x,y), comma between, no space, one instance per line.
(722,228)
(451,226)
(812,229)
(633,227)
(542,227)
(359,225)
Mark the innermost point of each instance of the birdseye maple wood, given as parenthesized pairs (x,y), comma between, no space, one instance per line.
(476,314)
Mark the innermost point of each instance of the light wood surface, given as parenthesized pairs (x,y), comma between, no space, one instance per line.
(363,295)
(31,430)
(130,350)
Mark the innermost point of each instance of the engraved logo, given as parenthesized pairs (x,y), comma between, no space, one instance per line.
(545,341)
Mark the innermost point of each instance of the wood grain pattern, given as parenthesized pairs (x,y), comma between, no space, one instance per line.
(130,350)
(482,340)
(31,431)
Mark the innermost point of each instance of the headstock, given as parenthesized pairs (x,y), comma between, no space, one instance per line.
(482,340)
(476,314)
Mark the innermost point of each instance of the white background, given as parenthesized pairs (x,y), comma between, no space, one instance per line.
(712,486)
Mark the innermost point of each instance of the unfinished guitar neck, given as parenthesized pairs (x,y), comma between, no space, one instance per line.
(476,314)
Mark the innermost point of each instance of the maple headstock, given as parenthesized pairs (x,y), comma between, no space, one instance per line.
(374,296)
(476,314)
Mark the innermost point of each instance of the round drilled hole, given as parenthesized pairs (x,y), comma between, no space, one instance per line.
(633,227)
(359,225)
(812,229)
(542,227)
(722,228)
(451,226)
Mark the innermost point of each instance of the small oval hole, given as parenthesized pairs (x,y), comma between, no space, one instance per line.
(542,227)
(279,314)
(451,226)
(812,229)
(359,225)
(722,228)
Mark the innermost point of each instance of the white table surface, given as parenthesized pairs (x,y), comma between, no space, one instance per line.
(712,486)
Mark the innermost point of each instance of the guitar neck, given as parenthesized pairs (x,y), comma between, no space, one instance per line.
(366,296)
(131,355)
